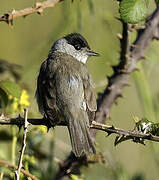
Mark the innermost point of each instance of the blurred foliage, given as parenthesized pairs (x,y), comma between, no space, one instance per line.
(11,68)
(18,104)
(75,177)
(26,44)
(11,88)
(133,11)
(147,127)
(8,90)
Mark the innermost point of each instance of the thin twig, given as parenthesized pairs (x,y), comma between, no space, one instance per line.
(129,134)
(37,8)
(10,165)
(20,164)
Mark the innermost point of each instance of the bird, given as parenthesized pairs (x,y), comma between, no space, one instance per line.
(65,91)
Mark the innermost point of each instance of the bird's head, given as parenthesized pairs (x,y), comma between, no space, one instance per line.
(75,45)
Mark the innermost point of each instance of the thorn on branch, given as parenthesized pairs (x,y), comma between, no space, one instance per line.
(119,94)
(133,46)
(156,37)
(110,88)
(109,133)
(119,36)
(112,127)
(38,6)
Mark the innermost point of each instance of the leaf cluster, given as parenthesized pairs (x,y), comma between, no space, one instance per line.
(134,11)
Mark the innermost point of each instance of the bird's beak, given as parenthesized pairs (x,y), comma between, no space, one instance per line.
(91,53)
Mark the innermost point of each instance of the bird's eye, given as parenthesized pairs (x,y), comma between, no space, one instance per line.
(77,46)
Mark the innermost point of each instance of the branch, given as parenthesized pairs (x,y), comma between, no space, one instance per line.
(37,8)
(115,82)
(20,164)
(26,173)
(127,134)
(20,121)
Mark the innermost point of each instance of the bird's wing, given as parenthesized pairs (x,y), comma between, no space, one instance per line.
(70,91)
(46,94)
(89,93)
(39,90)
(75,89)
(90,97)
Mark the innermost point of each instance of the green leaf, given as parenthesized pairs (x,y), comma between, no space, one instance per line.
(133,11)
(11,88)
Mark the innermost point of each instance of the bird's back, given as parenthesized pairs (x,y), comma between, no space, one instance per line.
(65,93)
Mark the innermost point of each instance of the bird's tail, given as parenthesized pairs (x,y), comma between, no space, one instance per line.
(80,137)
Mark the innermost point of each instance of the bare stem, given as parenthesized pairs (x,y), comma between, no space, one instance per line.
(14,142)
(20,164)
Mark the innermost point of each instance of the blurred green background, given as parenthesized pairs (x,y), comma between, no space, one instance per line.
(27,43)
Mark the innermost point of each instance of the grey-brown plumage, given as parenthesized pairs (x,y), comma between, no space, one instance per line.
(65,93)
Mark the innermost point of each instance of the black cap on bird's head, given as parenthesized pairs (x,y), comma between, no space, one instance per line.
(79,42)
